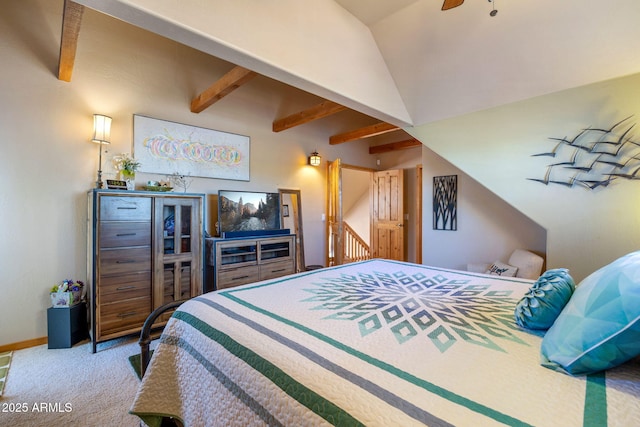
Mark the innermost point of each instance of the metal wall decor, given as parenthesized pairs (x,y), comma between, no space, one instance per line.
(445,201)
(594,158)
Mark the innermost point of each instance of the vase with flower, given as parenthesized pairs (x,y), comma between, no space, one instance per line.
(127,165)
(66,293)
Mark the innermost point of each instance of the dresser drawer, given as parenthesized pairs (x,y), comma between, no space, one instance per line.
(237,276)
(120,316)
(121,261)
(118,234)
(276,269)
(124,287)
(121,208)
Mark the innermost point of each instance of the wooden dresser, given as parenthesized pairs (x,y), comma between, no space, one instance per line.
(144,249)
(238,261)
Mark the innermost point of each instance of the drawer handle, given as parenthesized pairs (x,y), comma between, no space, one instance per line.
(122,288)
(125,261)
(129,314)
(278,271)
(239,277)
(127,207)
(125,234)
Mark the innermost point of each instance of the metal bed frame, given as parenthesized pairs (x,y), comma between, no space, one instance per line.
(145,341)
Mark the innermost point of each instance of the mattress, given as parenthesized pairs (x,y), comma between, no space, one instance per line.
(375,343)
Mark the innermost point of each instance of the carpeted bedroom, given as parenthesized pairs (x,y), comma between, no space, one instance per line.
(70,386)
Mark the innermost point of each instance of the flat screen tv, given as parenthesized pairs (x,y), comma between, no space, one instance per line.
(244,212)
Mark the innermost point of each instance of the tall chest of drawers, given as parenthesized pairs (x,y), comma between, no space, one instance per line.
(144,249)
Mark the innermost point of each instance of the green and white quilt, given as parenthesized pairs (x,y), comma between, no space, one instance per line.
(375,343)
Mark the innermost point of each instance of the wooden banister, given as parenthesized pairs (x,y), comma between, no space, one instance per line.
(354,247)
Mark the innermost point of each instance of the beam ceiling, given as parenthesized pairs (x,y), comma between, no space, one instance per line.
(221,88)
(324,109)
(71,20)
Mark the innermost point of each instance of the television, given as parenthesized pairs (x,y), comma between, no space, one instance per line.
(247,212)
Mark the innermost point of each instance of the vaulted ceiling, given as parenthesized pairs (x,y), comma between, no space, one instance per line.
(402,62)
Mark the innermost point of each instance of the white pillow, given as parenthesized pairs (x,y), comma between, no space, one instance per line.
(501,269)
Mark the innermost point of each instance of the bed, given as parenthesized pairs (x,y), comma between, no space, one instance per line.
(375,343)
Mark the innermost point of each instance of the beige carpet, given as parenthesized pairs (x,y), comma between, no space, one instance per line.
(71,387)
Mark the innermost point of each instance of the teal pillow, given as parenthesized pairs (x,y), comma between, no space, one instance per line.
(600,326)
(544,301)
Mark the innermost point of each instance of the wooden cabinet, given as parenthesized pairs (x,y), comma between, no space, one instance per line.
(245,260)
(178,250)
(144,249)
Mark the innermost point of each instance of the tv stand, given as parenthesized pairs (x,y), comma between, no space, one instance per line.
(238,261)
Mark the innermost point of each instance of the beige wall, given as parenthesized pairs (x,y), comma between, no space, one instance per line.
(48,162)
(586,229)
(488,229)
(317,46)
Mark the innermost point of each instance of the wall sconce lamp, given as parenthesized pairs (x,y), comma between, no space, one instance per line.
(314,159)
(101,135)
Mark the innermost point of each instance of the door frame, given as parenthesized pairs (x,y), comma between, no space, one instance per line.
(418,207)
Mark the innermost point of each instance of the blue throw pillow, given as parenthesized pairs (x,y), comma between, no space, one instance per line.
(600,326)
(540,307)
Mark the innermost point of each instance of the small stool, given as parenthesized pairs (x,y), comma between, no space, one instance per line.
(313,267)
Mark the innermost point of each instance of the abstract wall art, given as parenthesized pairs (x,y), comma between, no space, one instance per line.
(166,147)
(445,202)
(594,157)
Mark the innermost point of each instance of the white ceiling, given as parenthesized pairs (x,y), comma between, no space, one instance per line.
(372,11)
(406,61)
(449,63)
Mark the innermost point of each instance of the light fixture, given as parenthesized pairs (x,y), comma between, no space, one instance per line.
(314,159)
(101,135)
(494,11)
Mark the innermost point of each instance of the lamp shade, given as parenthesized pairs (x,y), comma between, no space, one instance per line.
(314,159)
(101,129)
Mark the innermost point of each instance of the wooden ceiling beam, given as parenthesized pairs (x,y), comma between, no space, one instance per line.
(365,132)
(221,88)
(71,20)
(393,146)
(324,109)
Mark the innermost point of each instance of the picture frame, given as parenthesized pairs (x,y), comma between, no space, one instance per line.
(285,210)
(165,147)
(445,202)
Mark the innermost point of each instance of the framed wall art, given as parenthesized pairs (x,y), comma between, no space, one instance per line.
(165,147)
(445,201)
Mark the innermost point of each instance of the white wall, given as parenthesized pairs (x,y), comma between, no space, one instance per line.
(48,162)
(586,229)
(355,201)
(488,228)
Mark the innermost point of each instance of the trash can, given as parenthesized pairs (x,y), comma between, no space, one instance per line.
(66,325)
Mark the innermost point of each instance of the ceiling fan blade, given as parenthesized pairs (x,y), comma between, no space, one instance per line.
(450,4)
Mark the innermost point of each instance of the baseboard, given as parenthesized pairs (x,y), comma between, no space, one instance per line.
(23,344)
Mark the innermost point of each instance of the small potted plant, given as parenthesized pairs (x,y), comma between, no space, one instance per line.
(66,293)
(127,166)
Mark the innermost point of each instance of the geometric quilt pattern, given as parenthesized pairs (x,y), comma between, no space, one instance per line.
(444,311)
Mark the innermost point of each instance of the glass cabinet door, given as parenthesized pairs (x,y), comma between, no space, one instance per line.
(179,253)
(177,223)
